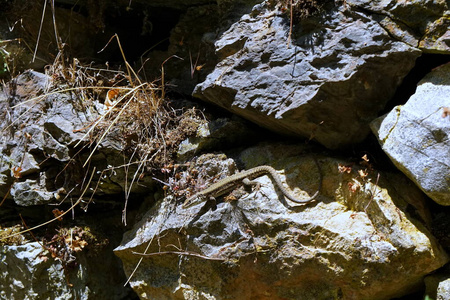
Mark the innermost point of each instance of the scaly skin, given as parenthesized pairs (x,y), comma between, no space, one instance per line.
(222,186)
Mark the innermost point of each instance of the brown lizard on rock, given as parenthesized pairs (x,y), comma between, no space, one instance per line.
(225,185)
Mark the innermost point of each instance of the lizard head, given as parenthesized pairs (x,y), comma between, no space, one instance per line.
(192,201)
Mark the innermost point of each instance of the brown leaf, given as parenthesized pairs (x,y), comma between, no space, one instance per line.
(16,172)
(344,169)
(57,213)
(362,173)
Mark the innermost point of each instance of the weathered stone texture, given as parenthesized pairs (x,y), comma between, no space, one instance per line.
(416,136)
(426,21)
(328,82)
(355,242)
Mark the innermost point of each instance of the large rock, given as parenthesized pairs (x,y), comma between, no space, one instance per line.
(328,82)
(424,24)
(43,136)
(356,241)
(438,285)
(31,271)
(416,136)
(37,137)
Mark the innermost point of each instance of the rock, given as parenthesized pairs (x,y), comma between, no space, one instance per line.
(31,192)
(218,134)
(328,82)
(356,241)
(438,285)
(437,36)
(38,136)
(29,271)
(425,24)
(416,135)
(42,141)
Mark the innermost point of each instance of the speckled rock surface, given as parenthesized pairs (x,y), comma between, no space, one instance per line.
(416,136)
(326,82)
(356,241)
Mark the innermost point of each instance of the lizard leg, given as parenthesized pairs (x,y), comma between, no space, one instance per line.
(253,183)
(212,200)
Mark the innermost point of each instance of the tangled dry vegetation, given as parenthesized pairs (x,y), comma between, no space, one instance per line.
(301,9)
(138,114)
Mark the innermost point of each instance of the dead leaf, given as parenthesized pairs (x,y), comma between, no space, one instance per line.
(198,68)
(78,244)
(362,173)
(110,96)
(57,213)
(344,169)
(16,172)
(354,186)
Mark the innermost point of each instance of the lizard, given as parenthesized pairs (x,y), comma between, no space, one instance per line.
(223,186)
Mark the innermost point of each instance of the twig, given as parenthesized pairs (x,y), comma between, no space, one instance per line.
(291,23)
(373,194)
(6,195)
(186,253)
(39,32)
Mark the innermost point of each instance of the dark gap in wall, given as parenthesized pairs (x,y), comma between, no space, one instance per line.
(139,29)
(407,88)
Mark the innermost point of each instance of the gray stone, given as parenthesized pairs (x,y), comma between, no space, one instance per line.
(416,135)
(221,133)
(29,271)
(28,165)
(327,83)
(41,135)
(443,290)
(424,24)
(31,192)
(438,285)
(356,241)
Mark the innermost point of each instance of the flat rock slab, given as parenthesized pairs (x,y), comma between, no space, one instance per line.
(416,136)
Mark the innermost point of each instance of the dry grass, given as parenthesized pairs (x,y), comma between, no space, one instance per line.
(137,113)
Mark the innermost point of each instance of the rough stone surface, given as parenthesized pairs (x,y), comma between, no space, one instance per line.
(36,134)
(358,240)
(191,50)
(23,263)
(327,83)
(38,153)
(355,242)
(221,133)
(29,272)
(438,285)
(424,24)
(416,136)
